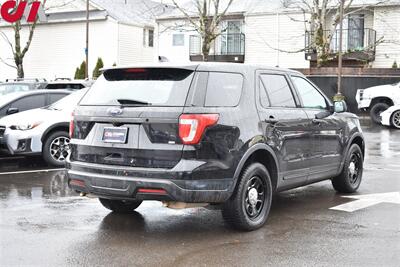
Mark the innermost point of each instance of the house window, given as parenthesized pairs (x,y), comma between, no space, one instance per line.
(144,37)
(231,38)
(353,34)
(148,37)
(356,31)
(151,38)
(178,39)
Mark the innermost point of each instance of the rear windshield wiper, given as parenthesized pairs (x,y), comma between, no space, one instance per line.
(129,102)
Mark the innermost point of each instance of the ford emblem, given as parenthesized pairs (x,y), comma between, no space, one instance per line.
(115,111)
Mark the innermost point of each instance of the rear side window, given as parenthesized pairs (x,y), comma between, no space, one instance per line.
(30,102)
(55,97)
(140,86)
(277,92)
(223,89)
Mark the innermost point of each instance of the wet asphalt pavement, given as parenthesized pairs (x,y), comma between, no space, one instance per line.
(43,223)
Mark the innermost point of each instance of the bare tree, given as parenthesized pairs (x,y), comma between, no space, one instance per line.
(324,29)
(18,48)
(206,20)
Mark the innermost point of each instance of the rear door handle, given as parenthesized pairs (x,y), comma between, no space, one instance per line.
(317,121)
(271,120)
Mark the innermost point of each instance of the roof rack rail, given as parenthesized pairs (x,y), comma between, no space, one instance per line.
(26,80)
(62,79)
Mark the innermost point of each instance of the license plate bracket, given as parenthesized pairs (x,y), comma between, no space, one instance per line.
(116,135)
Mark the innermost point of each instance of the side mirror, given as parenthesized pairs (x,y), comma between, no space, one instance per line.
(12,111)
(340,107)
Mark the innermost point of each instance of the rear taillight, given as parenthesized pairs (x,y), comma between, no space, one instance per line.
(152,191)
(71,126)
(75,182)
(192,126)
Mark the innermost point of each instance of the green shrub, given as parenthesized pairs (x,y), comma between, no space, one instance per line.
(99,65)
(80,72)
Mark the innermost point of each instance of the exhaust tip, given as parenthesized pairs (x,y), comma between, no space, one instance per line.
(183,205)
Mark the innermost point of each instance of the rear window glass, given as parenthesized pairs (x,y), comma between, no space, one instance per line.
(149,86)
(73,86)
(223,89)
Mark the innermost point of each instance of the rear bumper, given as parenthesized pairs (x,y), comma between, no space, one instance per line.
(114,182)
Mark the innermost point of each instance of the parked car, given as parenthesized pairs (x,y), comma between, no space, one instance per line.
(228,135)
(68,84)
(22,101)
(21,85)
(391,117)
(377,99)
(40,131)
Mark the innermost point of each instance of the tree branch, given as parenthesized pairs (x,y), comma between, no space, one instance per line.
(183,11)
(7,64)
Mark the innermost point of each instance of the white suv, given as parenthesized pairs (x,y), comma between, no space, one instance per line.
(377,99)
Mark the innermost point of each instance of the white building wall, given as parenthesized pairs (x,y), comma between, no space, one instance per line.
(387,26)
(165,47)
(273,39)
(58,49)
(131,49)
(368,19)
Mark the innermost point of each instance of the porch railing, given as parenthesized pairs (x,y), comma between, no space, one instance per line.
(354,40)
(224,44)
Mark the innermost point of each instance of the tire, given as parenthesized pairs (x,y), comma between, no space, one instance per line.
(395,119)
(376,111)
(349,180)
(120,206)
(50,145)
(254,186)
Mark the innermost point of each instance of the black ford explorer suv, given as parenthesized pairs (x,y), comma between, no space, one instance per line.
(230,135)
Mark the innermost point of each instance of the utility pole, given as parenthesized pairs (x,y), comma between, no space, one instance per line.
(339,96)
(87,41)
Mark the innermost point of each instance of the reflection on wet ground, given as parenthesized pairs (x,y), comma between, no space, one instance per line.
(383,148)
(12,164)
(42,222)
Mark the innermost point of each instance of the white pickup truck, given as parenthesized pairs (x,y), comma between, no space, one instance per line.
(377,99)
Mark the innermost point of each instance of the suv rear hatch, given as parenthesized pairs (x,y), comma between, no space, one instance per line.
(130,118)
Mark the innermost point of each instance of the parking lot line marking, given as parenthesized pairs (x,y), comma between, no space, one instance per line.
(365,201)
(33,171)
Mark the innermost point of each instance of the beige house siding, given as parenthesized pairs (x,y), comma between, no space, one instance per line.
(387,25)
(368,19)
(57,49)
(268,35)
(165,47)
(131,49)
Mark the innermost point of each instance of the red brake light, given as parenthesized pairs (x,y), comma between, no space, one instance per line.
(136,70)
(192,126)
(152,191)
(79,183)
(71,126)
